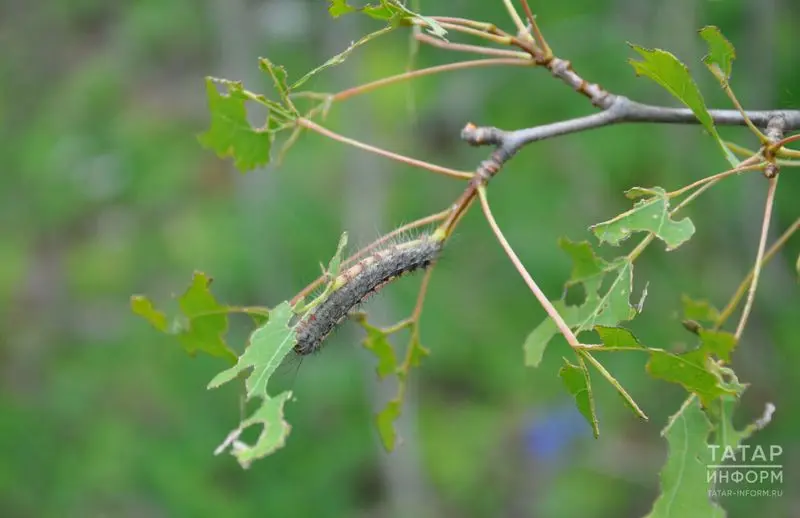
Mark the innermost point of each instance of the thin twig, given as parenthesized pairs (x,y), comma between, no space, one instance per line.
(368,87)
(714,178)
(762,244)
(537,33)
(521,29)
(464,47)
(742,289)
(562,326)
(306,123)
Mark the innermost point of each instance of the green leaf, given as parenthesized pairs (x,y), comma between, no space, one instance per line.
(143,307)
(230,134)
(647,215)
(585,263)
(385,422)
(701,310)
(616,337)
(377,342)
(684,483)
(611,308)
(666,70)
(720,52)
(719,343)
(206,320)
(267,348)
(694,370)
(576,380)
(273,434)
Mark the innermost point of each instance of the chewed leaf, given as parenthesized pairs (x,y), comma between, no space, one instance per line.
(230,134)
(267,348)
(385,422)
(207,320)
(720,51)
(647,215)
(701,310)
(377,342)
(666,70)
(273,433)
(694,370)
(607,309)
(576,380)
(684,478)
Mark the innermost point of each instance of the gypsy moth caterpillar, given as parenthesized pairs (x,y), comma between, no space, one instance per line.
(355,284)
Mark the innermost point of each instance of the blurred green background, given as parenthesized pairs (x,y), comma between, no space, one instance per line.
(105,192)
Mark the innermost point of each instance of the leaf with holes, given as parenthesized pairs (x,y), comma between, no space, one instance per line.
(650,214)
(274,431)
(694,370)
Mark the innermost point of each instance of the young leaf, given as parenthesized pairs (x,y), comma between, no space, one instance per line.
(273,434)
(340,7)
(278,75)
(701,310)
(684,482)
(377,342)
(666,70)
(576,380)
(230,134)
(385,422)
(267,348)
(391,11)
(647,215)
(720,52)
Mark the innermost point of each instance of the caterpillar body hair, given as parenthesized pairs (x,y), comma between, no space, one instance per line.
(355,284)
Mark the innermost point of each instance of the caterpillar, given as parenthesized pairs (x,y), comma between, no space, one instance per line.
(355,284)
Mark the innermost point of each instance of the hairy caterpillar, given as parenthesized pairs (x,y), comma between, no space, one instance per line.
(355,284)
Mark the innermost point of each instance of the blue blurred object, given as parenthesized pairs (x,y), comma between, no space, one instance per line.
(548,435)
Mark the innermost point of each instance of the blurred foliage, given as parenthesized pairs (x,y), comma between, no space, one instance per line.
(106,192)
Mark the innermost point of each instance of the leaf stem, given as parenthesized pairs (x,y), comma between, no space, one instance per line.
(713,178)
(742,289)
(306,123)
(773,185)
(540,296)
(464,47)
(521,29)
